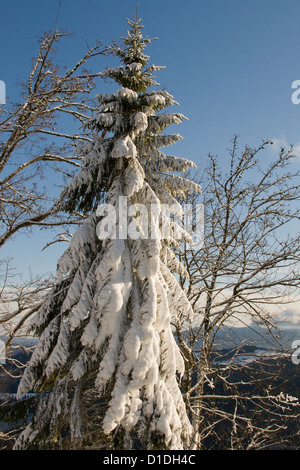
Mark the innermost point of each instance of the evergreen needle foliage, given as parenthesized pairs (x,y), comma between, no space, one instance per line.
(106,367)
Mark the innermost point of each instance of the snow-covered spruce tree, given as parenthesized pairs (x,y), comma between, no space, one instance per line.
(107,367)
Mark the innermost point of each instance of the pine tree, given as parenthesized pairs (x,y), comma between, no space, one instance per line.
(107,368)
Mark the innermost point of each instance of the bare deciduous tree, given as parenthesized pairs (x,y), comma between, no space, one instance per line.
(246,270)
(36,148)
(31,140)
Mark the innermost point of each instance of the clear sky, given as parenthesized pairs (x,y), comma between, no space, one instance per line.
(230,64)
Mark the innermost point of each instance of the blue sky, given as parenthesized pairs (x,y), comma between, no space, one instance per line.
(230,64)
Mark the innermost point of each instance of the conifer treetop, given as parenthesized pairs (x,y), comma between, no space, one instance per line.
(135,74)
